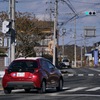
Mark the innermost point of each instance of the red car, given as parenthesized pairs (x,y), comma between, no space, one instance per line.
(32,73)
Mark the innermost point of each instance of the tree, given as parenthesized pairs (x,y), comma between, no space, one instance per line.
(29,33)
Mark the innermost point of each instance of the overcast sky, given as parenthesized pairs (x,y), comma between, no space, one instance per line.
(38,7)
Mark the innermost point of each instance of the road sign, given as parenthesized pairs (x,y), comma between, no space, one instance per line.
(90,31)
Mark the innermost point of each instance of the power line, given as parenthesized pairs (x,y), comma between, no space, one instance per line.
(3,0)
(84,2)
(70,6)
(24,1)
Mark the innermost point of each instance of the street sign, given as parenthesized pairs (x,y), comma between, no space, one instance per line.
(90,31)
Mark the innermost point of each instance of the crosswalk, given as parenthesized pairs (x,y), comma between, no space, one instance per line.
(67,91)
(75,89)
(94,89)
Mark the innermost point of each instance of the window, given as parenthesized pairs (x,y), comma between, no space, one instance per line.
(32,64)
(50,65)
(44,64)
(65,60)
(24,65)
(18,64)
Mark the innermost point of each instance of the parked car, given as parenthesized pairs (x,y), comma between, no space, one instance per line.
(65,63)
(31,73)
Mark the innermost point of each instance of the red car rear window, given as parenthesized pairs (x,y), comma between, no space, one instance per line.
(24,65)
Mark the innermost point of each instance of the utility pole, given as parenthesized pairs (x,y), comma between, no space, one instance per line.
(63,49)
(63,35)
(74,38)
(82,52)
(55,33)
(50,10)
(12,32)
(81,55)
(8,36)
(75,45)
(10,7)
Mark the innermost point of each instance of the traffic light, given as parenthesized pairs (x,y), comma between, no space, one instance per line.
(90,13)
(6,26)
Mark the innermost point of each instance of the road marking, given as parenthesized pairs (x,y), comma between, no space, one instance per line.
(70,74)
(80,74)
(90,74)
(63,74)
(76,89)
(66,88)
(94,89)
(74,95)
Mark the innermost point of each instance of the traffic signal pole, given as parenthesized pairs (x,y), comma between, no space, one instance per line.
(12,32)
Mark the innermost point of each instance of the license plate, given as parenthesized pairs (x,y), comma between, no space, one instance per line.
(20,74)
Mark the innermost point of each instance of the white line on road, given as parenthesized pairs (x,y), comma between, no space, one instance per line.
(70,74)
(80,74)
(94,89)
(65,88)
(74,95)
(76,89)
(90,74)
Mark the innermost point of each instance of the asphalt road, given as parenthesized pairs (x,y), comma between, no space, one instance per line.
(79,84)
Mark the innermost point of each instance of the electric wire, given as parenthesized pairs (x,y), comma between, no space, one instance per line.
(84,2)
